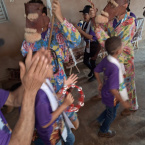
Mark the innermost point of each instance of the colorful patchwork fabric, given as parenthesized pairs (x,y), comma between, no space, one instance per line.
(126,32)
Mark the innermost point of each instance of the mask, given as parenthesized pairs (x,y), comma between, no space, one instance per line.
(35,21)
(114,10)
(111,10)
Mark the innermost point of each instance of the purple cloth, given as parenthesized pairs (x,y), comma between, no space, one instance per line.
(5,133)
(43,34)
(116,24)
(133,15)
(43,116)
(111,80)
(91,32)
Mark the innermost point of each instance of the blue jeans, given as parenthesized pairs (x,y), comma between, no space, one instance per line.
(107,117)
(69,140)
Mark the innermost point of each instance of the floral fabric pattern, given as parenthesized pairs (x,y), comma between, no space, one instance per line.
(64,36)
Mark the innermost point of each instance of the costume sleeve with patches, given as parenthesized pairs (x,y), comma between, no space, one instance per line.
(71,34)
(101,34)
(68,37)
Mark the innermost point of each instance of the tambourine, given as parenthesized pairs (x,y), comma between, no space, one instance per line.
(72,107)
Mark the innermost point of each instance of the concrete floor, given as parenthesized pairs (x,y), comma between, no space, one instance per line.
(130,130)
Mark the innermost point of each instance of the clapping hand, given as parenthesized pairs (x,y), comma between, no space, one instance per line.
(31,58)
(34,72)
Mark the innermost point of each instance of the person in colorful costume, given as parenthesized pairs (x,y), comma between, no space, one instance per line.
(116,22)
(64,36)
(52,124)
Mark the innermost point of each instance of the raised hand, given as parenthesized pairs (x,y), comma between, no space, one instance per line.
(71,80)
(31,58)
(33,76)
(56,9)
(93,12)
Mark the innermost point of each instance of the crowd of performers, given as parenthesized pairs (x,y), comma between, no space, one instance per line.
(44,116)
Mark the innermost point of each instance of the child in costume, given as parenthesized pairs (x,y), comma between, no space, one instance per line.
(92,45)
(52,124)
(113,88)
(64,36)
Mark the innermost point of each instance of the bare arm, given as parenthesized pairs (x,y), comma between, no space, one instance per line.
(15,97)
(32,80)
(55,115)
(118,97)
(22,133)
(68,101)
(99,81)
(98,77)
(116,94)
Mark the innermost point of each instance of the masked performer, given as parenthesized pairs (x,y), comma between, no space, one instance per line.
(64,36)
(116,22)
